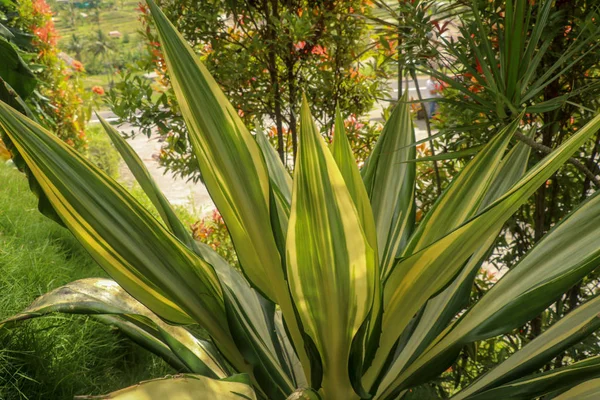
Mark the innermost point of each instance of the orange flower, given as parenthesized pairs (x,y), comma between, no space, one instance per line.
(319,50)
(77,66)
(99,90)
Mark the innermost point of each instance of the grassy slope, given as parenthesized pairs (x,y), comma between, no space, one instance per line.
(123,17)
(119,19)
(56,357)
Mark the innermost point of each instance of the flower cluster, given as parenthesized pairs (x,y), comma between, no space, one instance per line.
(60,83)
(212,231)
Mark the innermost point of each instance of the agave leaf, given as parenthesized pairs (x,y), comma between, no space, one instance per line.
(233,169)
(184,387)
(251,321)
(106,298)
(230,161)
(416,278)
(143,177)
(253,314)
(344,158)
(331,265)
(122,237)
(565,255)
(441,309)
(280,189)
(280,177)
(288,354)
(537,385)
(463,196)
(589,390)
(391,185)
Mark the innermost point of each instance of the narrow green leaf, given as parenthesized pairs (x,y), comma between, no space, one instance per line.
(589,390)
(331,265)
(148,185)
(280,189)
(231,164)
(279,176)
(463,196)
(425,273)
(344,158)
(391,185)
(540,384)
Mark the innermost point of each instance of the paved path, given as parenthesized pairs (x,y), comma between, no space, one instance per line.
(177,190)
(187,193)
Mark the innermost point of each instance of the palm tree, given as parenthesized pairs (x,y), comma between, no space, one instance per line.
(76,46)
(101,47)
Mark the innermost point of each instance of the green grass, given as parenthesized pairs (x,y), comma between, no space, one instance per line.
(59,356)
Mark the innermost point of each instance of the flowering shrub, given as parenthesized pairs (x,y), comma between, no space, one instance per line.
(319,47)
(212,231)
(60,84)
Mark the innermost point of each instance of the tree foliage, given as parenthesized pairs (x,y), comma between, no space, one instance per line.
(263,54)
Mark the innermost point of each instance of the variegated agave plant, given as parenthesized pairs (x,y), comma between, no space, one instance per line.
(342,295)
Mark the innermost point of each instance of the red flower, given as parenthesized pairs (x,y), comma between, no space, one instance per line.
(300,45)
(99,90)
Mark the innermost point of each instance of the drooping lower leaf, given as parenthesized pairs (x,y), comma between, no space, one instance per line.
(184,387)
(104,297)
